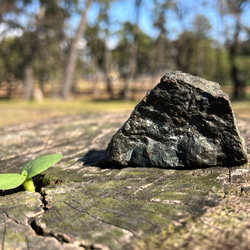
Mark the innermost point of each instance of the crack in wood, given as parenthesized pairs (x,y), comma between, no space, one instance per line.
(46,205)
(27,242)
(4,232)
(101,220)
(63,238)
(60,237)
(12,219)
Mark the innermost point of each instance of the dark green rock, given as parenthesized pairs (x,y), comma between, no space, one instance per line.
(185,121)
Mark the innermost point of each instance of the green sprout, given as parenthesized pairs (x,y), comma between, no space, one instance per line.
(30,169)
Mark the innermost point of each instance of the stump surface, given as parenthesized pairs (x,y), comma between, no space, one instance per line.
(84,206)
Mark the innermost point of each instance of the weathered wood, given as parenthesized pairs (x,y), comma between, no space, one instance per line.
(85,206)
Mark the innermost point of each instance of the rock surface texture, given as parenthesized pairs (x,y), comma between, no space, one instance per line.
(185,121)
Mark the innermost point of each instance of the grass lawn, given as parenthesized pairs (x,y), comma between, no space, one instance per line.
(241,108)
(16,111)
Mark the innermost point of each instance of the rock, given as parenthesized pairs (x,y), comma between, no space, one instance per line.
(185,121)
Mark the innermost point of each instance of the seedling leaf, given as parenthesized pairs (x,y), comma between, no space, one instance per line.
(40,164)
(9,181)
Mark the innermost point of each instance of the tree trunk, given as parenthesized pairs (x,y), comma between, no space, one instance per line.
(239,84)
(108,62)
(161,49)
(10,78)
(28,82)
(199,57)
(32,47)
(126,94)
(72,60)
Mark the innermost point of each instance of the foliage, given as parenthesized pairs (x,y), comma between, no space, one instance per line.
(12,57)
(145,45)
(46,34)
(30,169)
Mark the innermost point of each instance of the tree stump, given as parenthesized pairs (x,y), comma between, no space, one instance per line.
(80,205)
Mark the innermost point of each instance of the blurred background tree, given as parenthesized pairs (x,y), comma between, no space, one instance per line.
(115,49)
(235,9)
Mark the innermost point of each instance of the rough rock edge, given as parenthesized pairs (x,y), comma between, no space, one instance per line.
(178,77)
